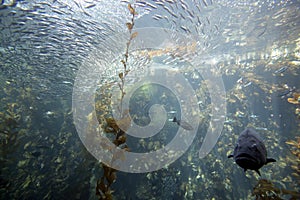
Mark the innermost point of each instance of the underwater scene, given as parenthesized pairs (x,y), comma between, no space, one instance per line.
(150,99)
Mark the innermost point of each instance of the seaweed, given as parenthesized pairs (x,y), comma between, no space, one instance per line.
(103,187)
(265,189)
(295,150)
(296,101)
(9,128)
(124,61)
(103,190)
(9,139)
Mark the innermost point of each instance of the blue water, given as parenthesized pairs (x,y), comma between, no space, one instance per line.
(44,44)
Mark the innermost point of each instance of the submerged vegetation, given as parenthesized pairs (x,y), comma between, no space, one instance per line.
(9,142)
(41,155)
(294,159)
(265,189)
(103,187)
(296,101)
(126,70)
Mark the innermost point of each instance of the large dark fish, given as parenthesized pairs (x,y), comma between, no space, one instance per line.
(183,124)
(250,151)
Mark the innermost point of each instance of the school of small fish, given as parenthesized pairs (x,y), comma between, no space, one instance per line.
(252,45)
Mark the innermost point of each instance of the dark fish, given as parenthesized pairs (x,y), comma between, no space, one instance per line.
(183,124)
(250,151)
(36,153)
(286,93)
(281,70)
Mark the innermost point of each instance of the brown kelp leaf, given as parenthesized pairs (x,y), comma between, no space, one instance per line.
(112,123)
(295,174)
(126,149)
(294,152)
(101,186)
(129,26)
(106,169)
(120,140)
(105,145)
(108,195)
(111,178)
(265,186)
(293,101)
(124,123)
(294,194)
(108,129)
(133,35)
(291,142)
(296,95)
(131,9)
(118,155)
(121,75)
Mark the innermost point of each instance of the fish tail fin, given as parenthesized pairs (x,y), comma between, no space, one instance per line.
(270,160)
(258,172)
(174,119)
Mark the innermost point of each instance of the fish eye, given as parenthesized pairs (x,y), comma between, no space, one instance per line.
(254,146)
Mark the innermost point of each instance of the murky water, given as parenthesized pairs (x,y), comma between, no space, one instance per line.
(218,66)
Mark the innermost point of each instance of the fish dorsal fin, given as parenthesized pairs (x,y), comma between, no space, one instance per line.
(270,160)
(174,119)
(177,121)
(258,172)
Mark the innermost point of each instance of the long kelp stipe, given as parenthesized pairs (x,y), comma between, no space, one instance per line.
(103,187)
